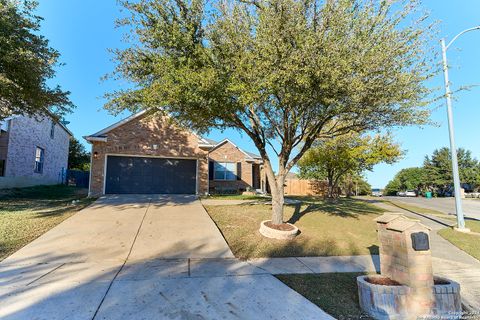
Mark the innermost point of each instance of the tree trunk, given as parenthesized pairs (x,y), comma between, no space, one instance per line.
(277,189)
(331,185)
(278,201)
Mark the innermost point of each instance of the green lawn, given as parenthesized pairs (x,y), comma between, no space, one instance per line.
(470,243)
(27,213)
(335,293)
(328,228)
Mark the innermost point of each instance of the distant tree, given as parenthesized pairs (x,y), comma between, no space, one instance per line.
(438,169)
(352,154)
(407,179)
(355,184)
(78,157)
(392,187)
(284,72)
(26,63)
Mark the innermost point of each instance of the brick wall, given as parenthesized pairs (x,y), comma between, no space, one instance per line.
(138,137)
(400,262)
(227,152)
(25,134)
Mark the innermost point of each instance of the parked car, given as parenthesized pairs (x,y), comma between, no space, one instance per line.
(377,193)
(401,193)
(410,193)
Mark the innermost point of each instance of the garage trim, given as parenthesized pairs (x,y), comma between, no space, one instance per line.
(146,156)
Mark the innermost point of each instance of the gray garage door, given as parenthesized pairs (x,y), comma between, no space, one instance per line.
(150,175)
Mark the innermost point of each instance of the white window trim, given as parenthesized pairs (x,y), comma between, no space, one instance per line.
(225,171)
(42,160)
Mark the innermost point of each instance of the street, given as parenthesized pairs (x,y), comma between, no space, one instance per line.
(471,207)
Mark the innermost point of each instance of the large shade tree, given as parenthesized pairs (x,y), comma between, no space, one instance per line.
(284,72)
(26,63)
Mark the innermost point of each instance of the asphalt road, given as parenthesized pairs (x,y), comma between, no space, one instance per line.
(471,207)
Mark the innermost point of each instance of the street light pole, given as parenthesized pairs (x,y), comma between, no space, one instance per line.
(453,150)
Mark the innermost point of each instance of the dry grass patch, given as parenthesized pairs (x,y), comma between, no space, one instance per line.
(27,213)
(328,228)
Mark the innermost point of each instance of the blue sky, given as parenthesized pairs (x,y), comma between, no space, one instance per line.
(83,30)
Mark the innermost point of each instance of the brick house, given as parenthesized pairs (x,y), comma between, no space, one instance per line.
(33,151)
(151,154)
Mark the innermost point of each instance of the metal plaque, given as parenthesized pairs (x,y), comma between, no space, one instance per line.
(420,241)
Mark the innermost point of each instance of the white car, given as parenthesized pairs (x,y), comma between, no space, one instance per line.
(410,193)
(377,193)
(401,193)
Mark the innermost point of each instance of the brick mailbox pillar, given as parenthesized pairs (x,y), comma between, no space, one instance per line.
(405,257)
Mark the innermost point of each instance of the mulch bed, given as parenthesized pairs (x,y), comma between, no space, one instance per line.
(383,281)
(281,227)
(440,281)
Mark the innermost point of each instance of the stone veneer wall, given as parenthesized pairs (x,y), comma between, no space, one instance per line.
(25,134)
(400,262)
(227,152)
(138,137)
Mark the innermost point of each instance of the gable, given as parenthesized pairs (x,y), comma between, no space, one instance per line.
(150,135)
(227,151)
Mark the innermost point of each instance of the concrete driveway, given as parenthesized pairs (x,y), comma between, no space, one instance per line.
(141,257)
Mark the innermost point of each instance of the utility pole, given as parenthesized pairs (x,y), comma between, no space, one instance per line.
(451,132)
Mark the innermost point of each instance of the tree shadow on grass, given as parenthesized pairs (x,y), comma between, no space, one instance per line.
(346,208)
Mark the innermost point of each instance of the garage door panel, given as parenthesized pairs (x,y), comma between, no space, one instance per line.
(150,175)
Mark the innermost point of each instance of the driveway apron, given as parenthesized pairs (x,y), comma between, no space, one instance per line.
(141,257)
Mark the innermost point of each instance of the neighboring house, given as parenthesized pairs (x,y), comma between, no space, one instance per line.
(151,154)
(32,151)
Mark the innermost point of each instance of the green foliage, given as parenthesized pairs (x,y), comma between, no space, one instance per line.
(352,154)
(406,179)
(354,184)
(285,72)
(438,169)
(436,173)
(78,157)
(26,63)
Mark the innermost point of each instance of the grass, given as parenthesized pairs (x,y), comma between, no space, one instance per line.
(328,228)
(335,293)
(27,213)
(470,243)
(235,197)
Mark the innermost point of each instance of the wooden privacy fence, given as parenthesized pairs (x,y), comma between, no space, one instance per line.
(300,187)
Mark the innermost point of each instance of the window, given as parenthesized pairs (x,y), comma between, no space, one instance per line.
(39,159)
(2,168)
(225,171)
(52,130)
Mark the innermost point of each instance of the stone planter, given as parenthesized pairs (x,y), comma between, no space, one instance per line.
(278,234)
(448,301)
(390,302)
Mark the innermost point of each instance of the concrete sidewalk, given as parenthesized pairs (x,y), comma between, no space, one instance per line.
(141,257)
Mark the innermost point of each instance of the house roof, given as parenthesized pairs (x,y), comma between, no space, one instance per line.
(101,133)
(204,142)
(51,115)
(250,155)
